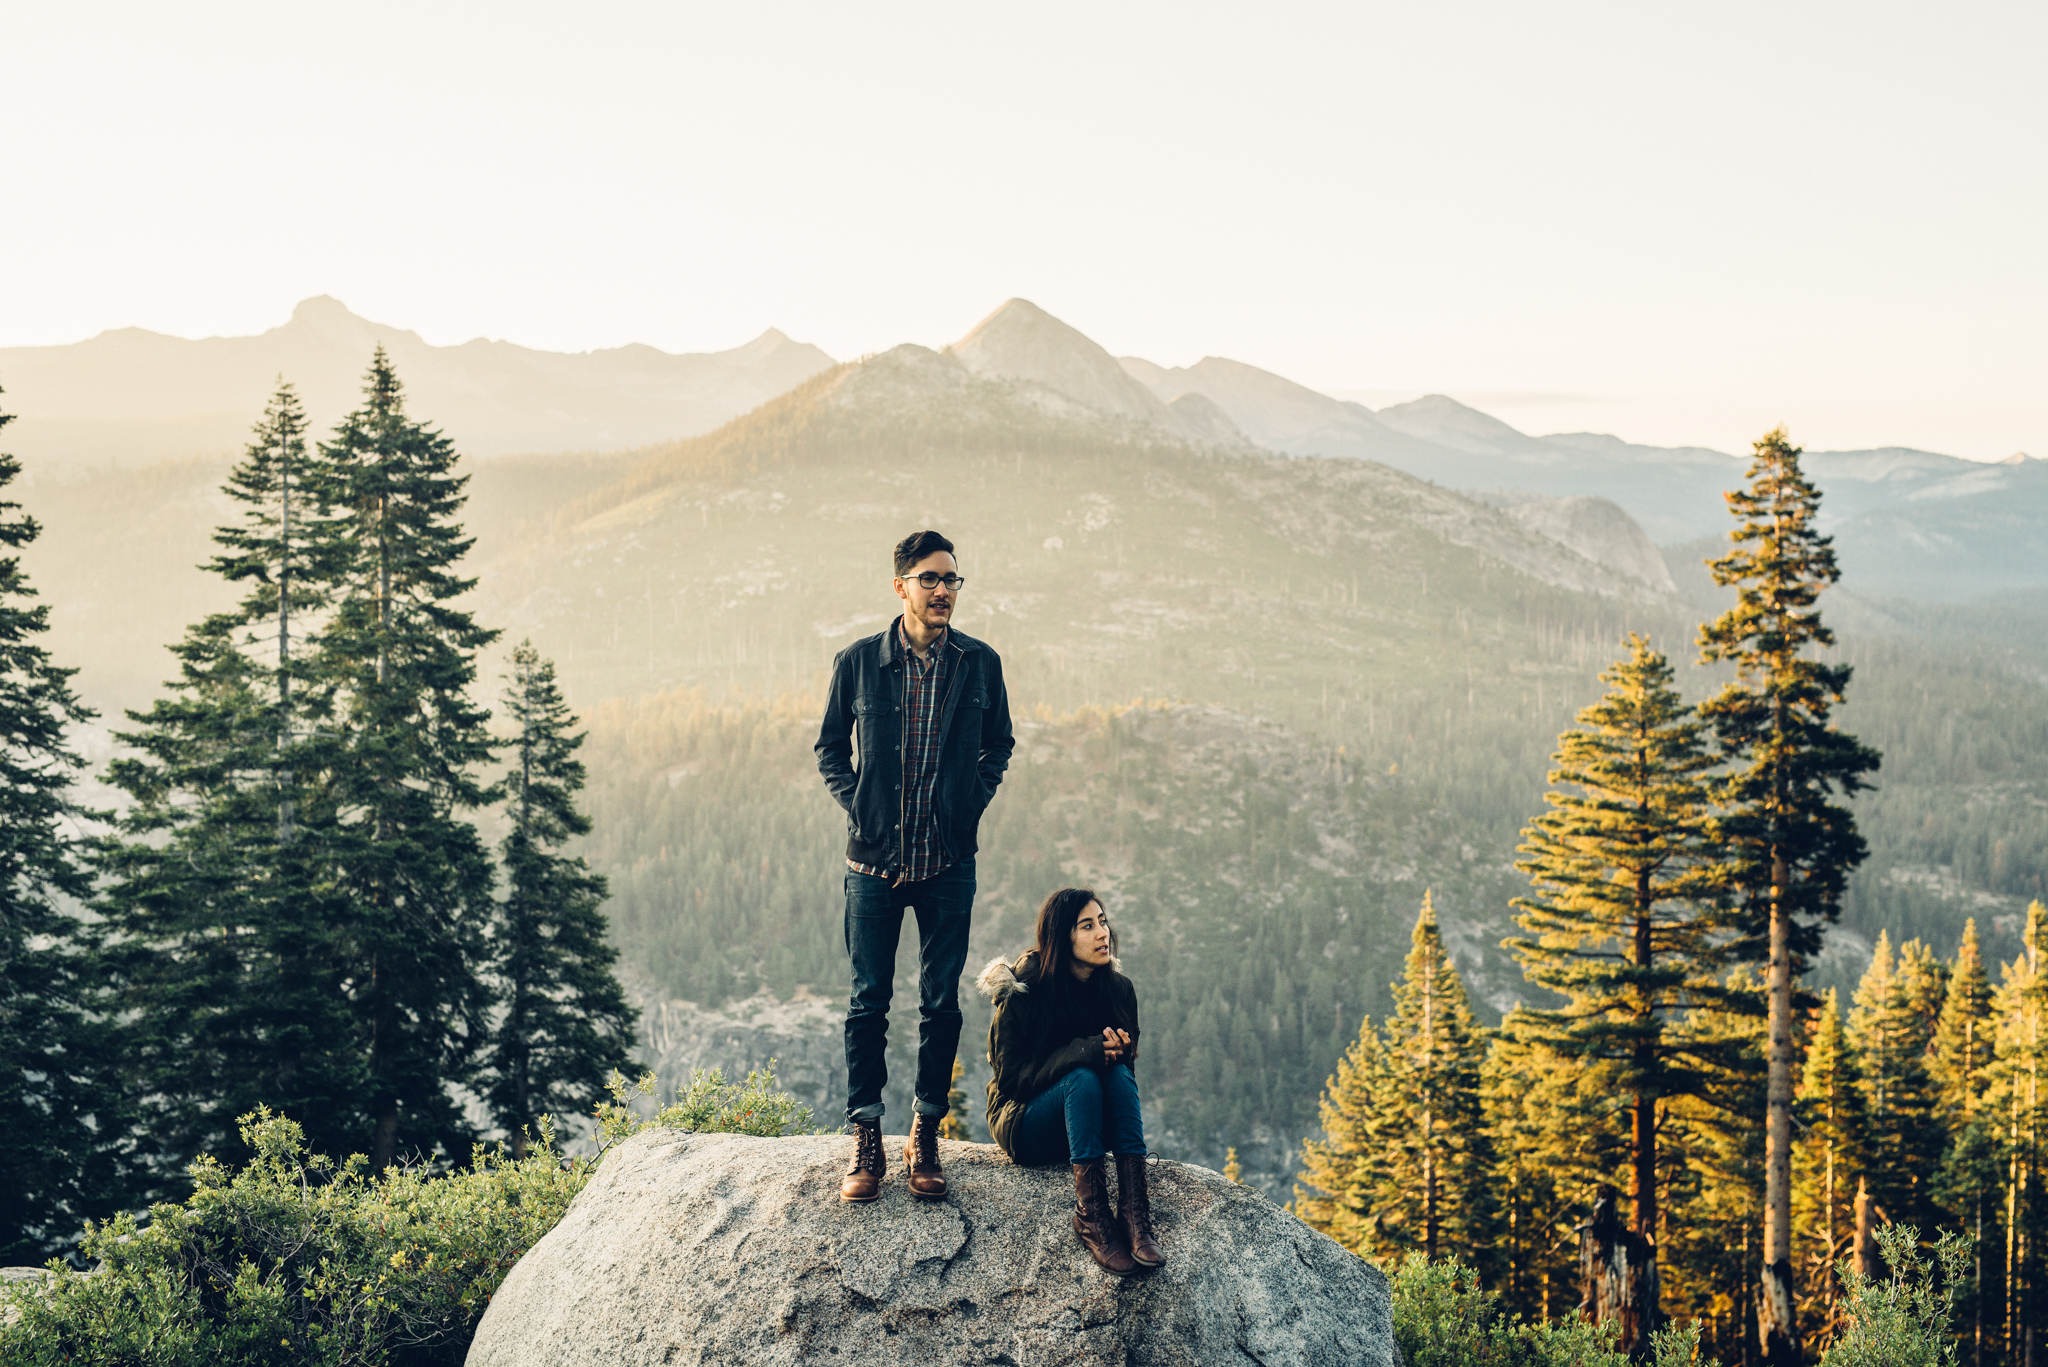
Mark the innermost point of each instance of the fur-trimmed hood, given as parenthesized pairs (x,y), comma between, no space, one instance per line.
(998,979)
(1001,977)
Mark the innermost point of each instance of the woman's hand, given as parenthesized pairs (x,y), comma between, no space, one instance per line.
(1116,1044)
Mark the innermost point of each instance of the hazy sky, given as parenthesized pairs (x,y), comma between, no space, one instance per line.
(1682,223)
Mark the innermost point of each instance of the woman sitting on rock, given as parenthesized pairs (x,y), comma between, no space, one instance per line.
(1063,1044)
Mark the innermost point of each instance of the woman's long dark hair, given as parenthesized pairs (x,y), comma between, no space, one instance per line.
(1057,916)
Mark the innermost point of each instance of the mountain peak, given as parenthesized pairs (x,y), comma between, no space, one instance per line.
(1442,419)
(1021,341)
(320,308)
(330,322)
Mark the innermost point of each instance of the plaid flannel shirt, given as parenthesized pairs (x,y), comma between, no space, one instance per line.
(924,692)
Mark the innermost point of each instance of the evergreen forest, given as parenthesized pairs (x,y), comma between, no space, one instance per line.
(1483,905)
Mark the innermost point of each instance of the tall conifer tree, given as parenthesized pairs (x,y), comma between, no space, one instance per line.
(1963,1043)
(2019,1100)
(232,953)
(61,1144)
(1555,1137)
(1831,1154)
(1340,1170)
(1790,842)
(1961,1064)
(566,1023)
(1892,1026)
(277,554)
(1405,1164)
(402,746)
(1717,1184)
(1434,1193)
(1621,908)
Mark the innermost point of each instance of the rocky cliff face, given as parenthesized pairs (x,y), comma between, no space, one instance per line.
(694,1250)
(1596,528)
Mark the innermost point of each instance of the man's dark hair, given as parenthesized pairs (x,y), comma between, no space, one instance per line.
(916,547)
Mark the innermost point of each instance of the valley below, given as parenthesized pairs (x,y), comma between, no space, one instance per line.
(1271,689)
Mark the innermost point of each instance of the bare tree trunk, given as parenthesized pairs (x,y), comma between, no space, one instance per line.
(1828,1277)
(383,1024)
(1429,1213)
(1618,1276)
(284,629)
(1429,1172)
(1644,1178)
(384,1140)
(1777,1332)
(1866,1261)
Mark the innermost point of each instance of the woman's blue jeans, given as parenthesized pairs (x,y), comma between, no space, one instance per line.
(1078,1117)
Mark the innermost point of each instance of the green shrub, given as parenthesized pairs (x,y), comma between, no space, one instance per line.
(709,1104)
(297,1260)
(1902,1320)
(1443,1319)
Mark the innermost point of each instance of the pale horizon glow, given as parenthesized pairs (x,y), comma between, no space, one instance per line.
(1679,225)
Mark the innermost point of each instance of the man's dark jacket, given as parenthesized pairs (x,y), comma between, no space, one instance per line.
(865,707)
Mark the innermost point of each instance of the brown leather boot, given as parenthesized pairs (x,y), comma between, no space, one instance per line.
(1095,1225)
(921,1156)
(864,1179)
(1134,1210)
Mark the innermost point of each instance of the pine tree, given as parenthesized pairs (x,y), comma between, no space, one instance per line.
(1830,1157)
(231,951)
(1891,1028)
(1620,912)
(1404,1163)
(401,746)
(1716,1184)
(61,1144)
(2020,1107)
(1433,1193)
(1340,1170)
(1963,1044)
(276,553)
(1790,844)
(1961,1063)
(566,1022)
(1556,1136)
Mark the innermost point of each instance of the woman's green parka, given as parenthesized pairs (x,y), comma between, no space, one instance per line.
(1024,1062)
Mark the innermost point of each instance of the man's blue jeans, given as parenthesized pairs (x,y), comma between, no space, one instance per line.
(1078,1117)
(874,923)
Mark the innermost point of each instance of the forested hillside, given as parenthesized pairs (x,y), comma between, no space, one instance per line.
(1291,717)
(1262,883)
(1349,604)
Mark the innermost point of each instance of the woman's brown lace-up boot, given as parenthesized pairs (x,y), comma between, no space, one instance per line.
(921,1156)
(1095,1225)
(1134,1210)
(864,1179)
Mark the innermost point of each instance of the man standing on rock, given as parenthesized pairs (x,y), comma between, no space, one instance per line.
(925,705)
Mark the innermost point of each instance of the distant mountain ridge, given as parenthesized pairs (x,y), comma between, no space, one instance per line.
(130,396)
(1911,524)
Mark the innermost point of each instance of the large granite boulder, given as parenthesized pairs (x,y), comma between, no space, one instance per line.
(693,1250)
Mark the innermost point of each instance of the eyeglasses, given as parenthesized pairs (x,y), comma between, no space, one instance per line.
(931,579)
